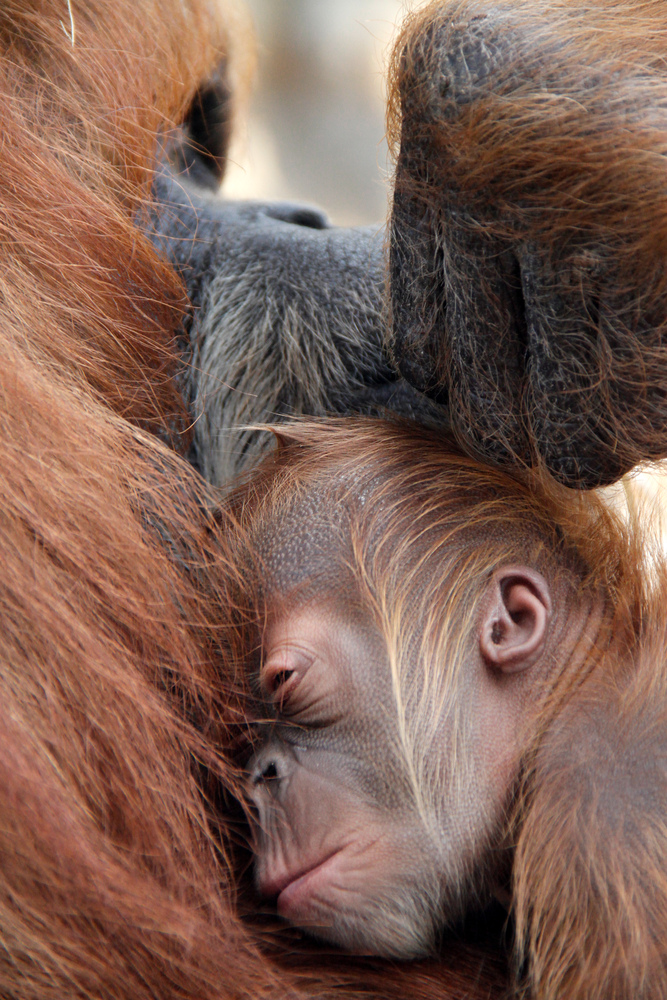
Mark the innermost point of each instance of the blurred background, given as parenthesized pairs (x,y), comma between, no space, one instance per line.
(316,122)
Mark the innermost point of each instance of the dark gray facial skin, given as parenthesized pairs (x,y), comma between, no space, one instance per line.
(287,321)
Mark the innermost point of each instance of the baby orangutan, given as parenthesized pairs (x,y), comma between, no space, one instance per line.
(419,613)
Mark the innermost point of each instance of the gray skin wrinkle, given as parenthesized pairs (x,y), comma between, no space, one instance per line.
(287,320)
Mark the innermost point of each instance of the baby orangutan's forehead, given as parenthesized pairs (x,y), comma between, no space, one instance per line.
(308,547)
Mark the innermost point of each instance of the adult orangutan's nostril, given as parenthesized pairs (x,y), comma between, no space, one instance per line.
(297,215)
(308,218)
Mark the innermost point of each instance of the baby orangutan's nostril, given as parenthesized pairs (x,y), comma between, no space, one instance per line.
(270,768)
(280,678)
(269,772)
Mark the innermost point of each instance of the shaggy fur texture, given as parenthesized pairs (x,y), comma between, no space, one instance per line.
(527,251)
(287,320)
(119,635)
(123,620)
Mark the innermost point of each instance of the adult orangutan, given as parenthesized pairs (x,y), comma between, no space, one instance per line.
(526,262)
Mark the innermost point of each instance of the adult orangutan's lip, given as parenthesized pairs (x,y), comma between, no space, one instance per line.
(278,885)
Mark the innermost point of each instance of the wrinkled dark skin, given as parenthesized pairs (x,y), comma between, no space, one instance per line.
(526,274)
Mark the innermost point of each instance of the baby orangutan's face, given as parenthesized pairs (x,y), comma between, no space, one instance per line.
(339,841)
(345,841)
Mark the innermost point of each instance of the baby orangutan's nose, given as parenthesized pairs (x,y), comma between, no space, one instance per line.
(270,768)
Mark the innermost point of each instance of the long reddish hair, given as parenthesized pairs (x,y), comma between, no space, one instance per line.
(112,882)
(118,631)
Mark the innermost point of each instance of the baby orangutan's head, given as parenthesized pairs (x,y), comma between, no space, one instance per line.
(415,608)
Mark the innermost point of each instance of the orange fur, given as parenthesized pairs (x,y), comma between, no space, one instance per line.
(121,620)
(119,637)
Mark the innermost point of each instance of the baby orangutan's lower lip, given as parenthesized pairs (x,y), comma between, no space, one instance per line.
(293,900)
(293,891)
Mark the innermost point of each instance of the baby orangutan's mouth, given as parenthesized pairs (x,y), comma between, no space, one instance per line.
(295,889)
(345,898)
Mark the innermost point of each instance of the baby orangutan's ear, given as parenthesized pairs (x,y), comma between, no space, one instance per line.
(514,623)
